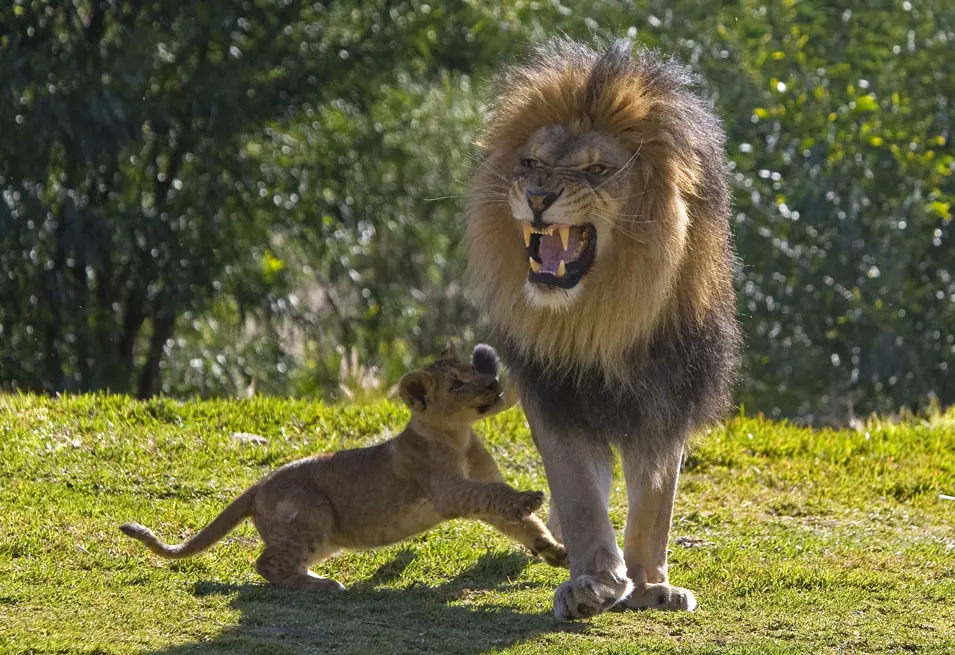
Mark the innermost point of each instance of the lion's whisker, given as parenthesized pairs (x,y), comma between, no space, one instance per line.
(492,193)
(501,189)
(491,168)
(618,220)
(625,168)
(629,235)
(614,225)
(444,198)
(478,192)
(487,189)
(625,215)
(622,198)
(499,175)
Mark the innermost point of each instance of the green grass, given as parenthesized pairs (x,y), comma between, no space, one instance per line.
(795,541)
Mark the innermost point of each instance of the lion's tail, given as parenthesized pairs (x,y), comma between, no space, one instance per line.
(221,525)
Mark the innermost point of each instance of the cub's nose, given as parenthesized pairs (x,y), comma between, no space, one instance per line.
(539,201)
(492,384)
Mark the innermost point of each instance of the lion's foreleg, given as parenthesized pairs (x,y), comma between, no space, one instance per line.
(553,520)
(650,495)
(580,472)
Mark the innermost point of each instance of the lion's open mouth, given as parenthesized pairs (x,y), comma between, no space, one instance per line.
(559,255)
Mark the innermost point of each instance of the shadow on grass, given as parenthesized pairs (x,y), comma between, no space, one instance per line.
(369,619)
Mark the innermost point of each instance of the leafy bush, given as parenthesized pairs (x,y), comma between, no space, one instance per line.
(223,198)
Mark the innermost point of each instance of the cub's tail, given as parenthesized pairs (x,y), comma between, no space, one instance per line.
(221,525)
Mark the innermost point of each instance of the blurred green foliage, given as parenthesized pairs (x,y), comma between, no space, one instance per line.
(223,197)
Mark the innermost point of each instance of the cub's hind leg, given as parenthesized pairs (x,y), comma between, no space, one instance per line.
(297,532)
(530,531)
(288,569)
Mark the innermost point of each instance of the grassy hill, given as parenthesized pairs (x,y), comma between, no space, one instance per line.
(795,541)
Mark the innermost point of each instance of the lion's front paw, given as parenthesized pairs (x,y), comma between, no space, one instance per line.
(522,505)
(551,552)
(661,597)
(588,595)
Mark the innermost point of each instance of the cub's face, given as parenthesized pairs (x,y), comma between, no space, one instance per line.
(568,194)
(450,391)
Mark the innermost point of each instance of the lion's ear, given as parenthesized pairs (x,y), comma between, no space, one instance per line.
(414,389)
(450,352)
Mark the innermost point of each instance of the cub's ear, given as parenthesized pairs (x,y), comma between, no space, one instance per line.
(413,389)
(450,352)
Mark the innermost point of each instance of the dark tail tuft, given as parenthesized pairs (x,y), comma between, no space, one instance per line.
(485,360)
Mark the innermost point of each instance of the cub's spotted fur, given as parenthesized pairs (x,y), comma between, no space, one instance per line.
(436,469)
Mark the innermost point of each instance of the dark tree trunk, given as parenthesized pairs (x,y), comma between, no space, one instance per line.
(149,376)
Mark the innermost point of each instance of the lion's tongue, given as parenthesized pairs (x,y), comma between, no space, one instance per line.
(552,251)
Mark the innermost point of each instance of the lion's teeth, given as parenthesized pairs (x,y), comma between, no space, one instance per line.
(534,265)
(564,235)
(527,234)
(562,268)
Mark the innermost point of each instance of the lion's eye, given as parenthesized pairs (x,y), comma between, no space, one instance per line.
(529,163)
(596,169)
(457,385)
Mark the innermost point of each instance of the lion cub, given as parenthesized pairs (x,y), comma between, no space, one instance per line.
(436,469)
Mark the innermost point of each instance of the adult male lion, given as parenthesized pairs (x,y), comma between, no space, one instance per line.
(600,248)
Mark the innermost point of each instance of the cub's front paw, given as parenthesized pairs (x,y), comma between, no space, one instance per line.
(551,552)
(523,504)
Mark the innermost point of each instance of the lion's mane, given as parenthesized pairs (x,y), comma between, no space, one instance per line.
(652,343)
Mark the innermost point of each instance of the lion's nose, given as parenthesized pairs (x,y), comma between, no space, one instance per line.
(539,201)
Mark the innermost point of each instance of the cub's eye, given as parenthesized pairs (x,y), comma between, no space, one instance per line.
(457,385)
(530,163)
(596,169)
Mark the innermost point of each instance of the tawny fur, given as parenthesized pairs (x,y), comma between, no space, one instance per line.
(643,350)
(660,273)
(436,469)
